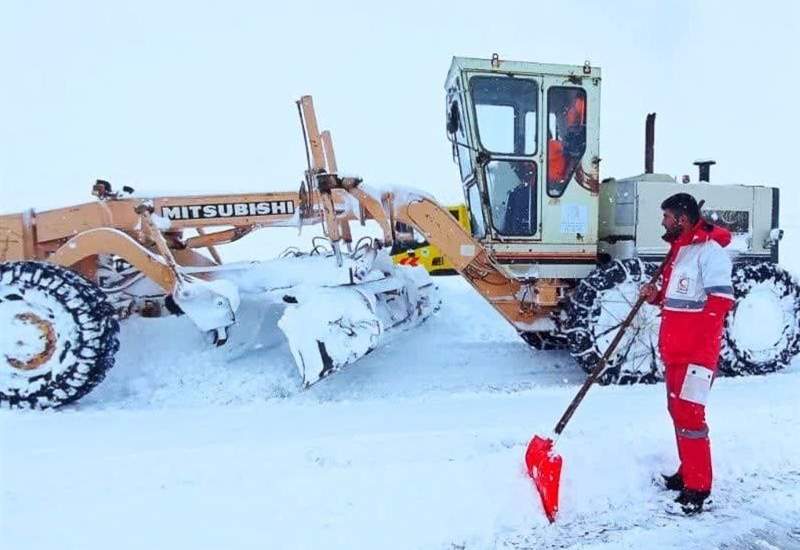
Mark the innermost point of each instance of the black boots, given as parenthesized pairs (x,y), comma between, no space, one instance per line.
(691,501)
(673,482)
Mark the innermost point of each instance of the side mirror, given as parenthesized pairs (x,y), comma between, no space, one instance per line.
(453,118)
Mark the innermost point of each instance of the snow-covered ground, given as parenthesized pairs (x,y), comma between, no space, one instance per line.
(418,445)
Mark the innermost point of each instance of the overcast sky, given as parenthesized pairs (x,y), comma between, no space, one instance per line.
(183,96)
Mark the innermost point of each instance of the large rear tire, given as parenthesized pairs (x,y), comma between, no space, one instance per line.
(59,335)
(762,332)
(594,313)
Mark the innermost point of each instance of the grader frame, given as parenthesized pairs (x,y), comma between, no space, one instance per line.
(148,233)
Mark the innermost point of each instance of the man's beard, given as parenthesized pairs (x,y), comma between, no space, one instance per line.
(671,235)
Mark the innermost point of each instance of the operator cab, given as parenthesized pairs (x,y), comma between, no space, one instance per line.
(525,138)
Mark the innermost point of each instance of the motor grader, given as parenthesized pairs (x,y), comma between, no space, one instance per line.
(554,250)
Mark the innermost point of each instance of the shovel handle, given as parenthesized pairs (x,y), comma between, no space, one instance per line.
(601,364)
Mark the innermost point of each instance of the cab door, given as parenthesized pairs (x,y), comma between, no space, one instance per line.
(505,111)
(570,120)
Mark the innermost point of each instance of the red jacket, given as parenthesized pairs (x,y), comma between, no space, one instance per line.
(695,297)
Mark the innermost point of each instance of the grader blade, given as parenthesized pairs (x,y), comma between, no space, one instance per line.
(331,315)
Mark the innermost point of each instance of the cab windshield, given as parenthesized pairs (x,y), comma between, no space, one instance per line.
(506,112)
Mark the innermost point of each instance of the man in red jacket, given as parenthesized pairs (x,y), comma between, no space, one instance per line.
(695,296)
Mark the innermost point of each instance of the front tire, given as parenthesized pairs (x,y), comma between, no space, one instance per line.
(594,313)
(59,335)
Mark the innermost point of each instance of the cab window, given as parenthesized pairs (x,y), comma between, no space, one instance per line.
(476,220)
(506,113)
(566,136)
(458,130)
(512,196)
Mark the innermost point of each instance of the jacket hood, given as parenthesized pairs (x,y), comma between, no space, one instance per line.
(705,231)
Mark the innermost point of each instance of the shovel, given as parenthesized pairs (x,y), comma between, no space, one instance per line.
(543,465)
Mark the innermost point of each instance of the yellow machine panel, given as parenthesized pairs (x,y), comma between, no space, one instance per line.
(412,249)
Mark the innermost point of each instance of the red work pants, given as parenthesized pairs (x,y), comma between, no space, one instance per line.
(691,431)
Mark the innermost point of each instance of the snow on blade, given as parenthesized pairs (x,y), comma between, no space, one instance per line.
(334,315)
(329,328)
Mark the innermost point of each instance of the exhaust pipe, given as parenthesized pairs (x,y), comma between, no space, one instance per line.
(704,169)
(649,142)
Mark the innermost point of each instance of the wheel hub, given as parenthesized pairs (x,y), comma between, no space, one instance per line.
(33,342)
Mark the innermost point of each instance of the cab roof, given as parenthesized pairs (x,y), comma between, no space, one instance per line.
(503,66)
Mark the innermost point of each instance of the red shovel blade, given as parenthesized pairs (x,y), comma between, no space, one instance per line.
(545,468)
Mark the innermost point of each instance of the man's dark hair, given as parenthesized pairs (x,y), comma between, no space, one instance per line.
(682,203)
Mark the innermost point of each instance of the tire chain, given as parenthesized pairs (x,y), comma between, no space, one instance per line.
(583,310)
(737,362)
(97,340)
